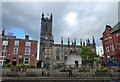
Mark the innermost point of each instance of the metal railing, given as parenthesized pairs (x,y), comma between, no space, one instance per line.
(37,72)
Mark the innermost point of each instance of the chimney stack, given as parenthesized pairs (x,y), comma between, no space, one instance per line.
(3,32)
(27,37)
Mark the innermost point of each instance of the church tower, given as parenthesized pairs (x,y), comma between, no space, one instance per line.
(46,39)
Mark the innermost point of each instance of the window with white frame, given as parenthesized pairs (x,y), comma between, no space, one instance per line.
(16,43)
(15,51)
(27,51)
(28,43)
(110,37)
(5,43)
(26,61)
(106,38)
(4,52)
(117,34)
(112,48)
(108,48)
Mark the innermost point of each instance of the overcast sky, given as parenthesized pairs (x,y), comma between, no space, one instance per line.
(80,20)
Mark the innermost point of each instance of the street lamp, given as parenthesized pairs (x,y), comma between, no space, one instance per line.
(47,63)
(4,51)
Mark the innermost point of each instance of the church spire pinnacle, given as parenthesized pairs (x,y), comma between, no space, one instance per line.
(74,41)
(93,40)
(61,40)
(68,41)
(81,42)
(3,31)
(51,17)
(43,15)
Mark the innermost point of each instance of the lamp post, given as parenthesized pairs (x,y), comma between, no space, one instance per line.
(48,65)
(4,52)
(9,35)
(43,52)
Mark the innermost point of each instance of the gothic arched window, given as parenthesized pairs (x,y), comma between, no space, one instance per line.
(65,54)
(57,54)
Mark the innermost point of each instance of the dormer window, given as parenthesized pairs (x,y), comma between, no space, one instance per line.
(28,43)
(5,43)
(16,43)
(117,34)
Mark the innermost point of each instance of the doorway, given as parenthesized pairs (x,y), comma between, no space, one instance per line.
(14,61)
(76,63)
(7,61)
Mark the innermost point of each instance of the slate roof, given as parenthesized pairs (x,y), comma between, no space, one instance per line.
(116,27)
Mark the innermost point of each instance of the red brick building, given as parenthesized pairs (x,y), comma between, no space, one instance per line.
(111,43)
(18,51)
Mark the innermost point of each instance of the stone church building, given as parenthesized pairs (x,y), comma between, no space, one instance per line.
(58,55)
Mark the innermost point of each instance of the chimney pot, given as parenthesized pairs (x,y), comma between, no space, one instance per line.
(27,37)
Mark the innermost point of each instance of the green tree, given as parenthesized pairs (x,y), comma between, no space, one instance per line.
(87,55)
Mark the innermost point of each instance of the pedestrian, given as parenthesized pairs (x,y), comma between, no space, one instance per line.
(42,73)
(70,71)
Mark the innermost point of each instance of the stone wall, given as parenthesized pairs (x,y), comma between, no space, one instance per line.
(61,80)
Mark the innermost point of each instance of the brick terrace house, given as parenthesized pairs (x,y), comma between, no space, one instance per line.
(111,42)
(18,51)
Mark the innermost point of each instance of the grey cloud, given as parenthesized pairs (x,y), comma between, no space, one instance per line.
(119,11)
(91,20)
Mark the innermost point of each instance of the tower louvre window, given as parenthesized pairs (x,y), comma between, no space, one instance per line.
(46,28)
